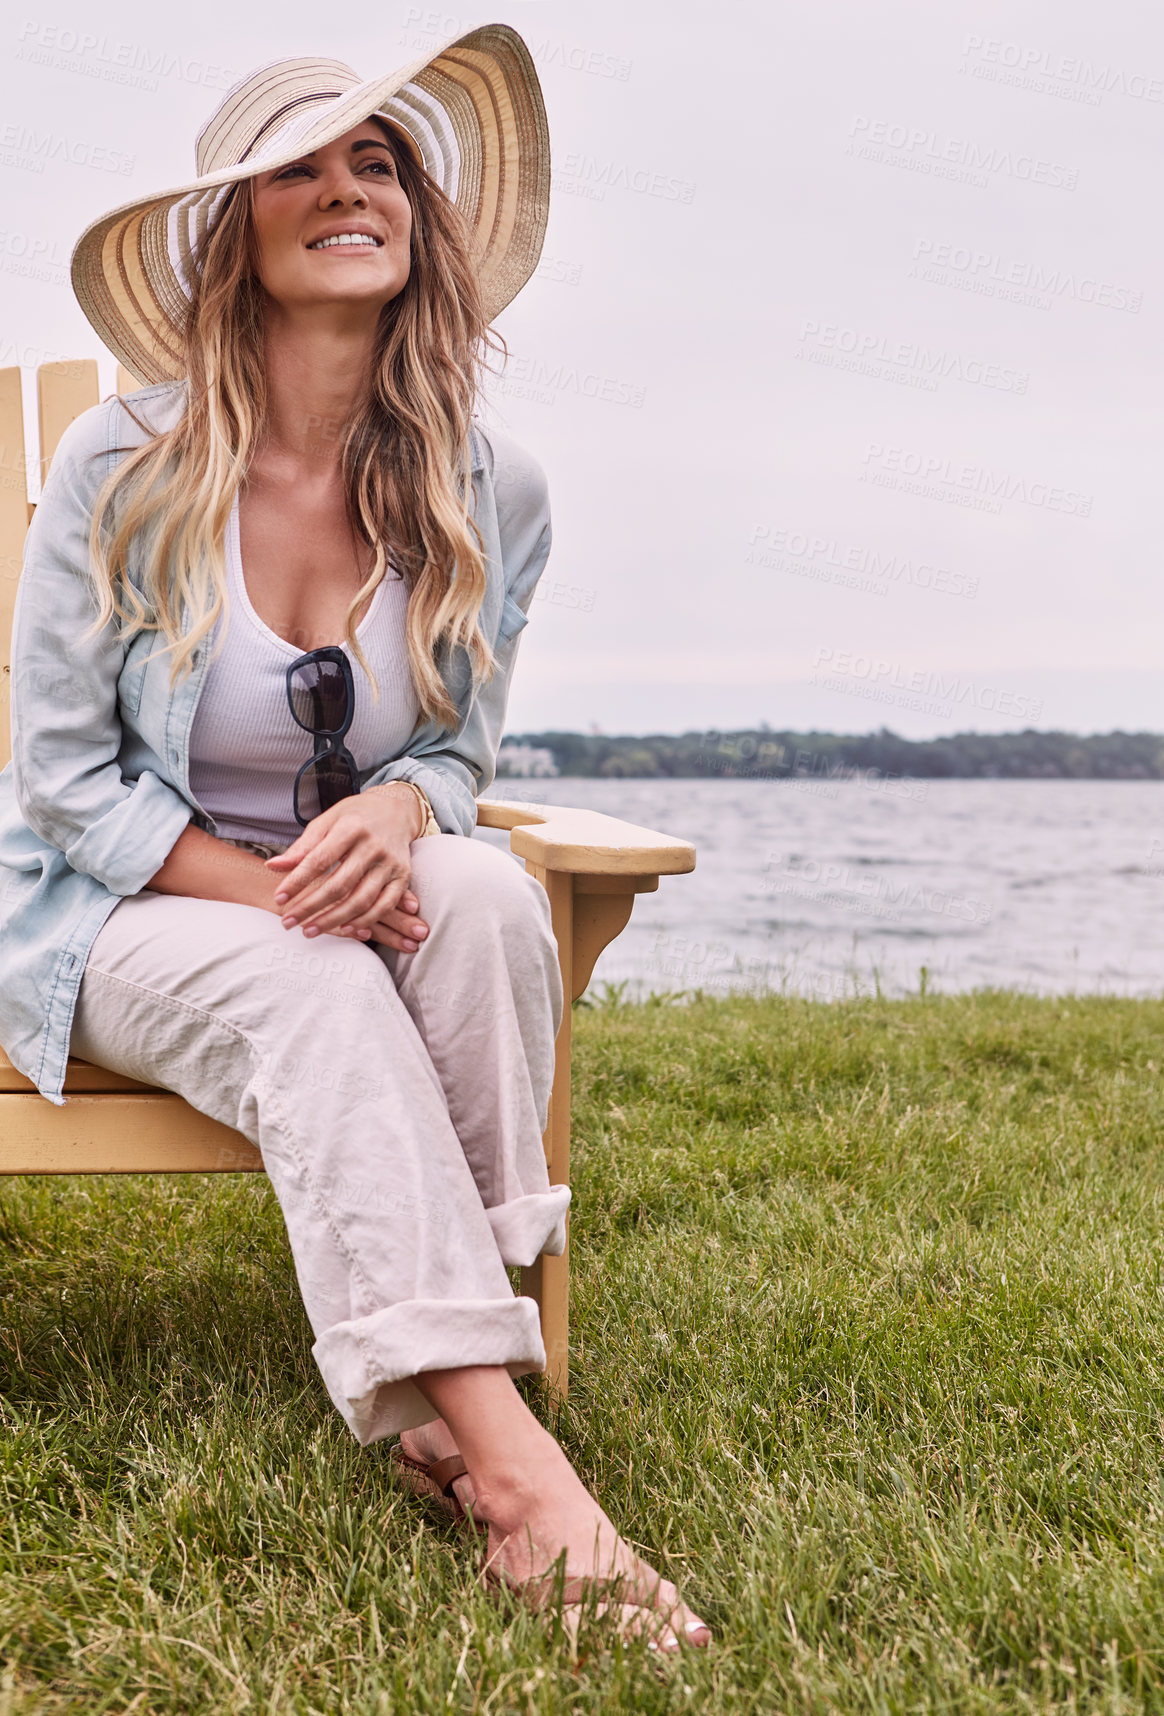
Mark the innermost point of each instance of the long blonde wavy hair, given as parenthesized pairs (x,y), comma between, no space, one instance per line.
(405,457)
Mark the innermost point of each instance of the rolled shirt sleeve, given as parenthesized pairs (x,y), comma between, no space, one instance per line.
(66,724)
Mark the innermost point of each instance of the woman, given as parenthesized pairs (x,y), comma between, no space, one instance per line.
(373,1000)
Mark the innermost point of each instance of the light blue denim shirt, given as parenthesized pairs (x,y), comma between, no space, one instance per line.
(98,789)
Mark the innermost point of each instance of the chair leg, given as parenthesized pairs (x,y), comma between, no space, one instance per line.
(548,1281)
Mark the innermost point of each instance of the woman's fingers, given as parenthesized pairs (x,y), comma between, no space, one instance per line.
(316,856)
(406,924)
(388,936)
(371,901)
(353,866)
(384,910)
(364,877)
(303,903)
(359,906)
(357,897)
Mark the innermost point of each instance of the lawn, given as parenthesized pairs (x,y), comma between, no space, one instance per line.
(868,1355)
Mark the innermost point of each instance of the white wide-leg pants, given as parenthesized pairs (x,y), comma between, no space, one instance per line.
(398,1100)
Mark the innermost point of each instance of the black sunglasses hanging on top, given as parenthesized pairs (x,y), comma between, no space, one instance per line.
(322,695)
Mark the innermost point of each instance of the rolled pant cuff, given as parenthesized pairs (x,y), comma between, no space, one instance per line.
(369,1363)
(525,1227)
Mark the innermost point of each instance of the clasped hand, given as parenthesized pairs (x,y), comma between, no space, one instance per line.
(348,872)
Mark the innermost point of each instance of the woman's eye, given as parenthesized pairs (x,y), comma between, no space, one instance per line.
(384,169)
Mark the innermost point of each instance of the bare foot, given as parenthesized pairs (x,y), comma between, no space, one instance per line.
(532,1519)
(534,1516)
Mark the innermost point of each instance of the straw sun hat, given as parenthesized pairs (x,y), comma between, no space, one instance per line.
(473,111)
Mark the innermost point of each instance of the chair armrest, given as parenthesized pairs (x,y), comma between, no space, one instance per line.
(585,842)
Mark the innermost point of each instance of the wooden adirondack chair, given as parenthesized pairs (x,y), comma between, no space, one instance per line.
(590,865)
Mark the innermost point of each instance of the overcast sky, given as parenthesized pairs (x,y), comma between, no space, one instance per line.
(843,359)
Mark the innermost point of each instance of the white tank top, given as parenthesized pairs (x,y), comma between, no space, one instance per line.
(245,745)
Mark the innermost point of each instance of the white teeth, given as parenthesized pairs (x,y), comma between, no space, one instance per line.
(345,238)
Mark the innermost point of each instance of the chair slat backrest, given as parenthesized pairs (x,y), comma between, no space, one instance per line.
(13,524)
(63,391)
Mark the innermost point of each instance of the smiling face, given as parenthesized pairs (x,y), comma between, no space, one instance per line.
(334,226)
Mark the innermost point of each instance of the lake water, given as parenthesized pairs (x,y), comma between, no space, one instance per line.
(820,887)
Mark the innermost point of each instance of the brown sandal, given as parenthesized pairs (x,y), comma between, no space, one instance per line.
(434,1481)
(546,1590)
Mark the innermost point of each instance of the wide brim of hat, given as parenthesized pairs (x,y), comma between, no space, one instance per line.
(474,111)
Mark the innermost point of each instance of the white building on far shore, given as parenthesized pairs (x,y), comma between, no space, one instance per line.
(525,761)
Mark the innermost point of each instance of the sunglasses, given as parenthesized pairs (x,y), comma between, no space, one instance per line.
(322,695)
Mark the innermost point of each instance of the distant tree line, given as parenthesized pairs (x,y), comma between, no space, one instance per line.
(763,754)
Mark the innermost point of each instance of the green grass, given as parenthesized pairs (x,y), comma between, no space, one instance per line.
(868,1354)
